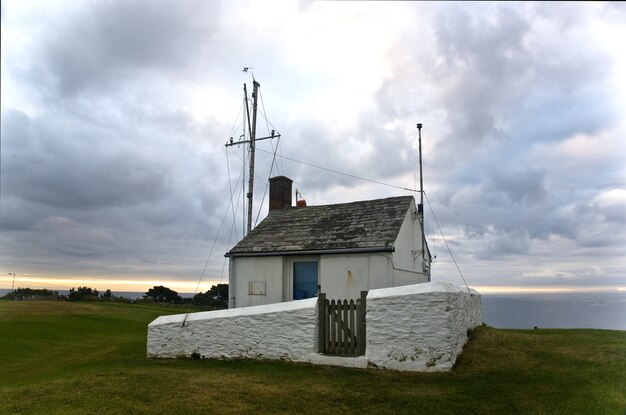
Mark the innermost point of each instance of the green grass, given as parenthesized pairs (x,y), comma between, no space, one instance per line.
(61,358)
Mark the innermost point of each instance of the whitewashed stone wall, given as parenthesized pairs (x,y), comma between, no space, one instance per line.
(274,331)
(420,327)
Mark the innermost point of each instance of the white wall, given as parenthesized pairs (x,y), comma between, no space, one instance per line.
(345,276)
(420,327)
(341,276)
(276,331)
(407,260)
(268,269)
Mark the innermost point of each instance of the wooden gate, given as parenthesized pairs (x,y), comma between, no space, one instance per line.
(342,326)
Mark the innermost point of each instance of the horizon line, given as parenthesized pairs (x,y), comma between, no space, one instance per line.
(188,286)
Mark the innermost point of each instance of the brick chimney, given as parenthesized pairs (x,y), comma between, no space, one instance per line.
(280,192)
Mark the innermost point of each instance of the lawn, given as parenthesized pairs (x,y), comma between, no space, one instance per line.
(63,358)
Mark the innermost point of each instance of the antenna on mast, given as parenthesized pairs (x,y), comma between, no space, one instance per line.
(251,141)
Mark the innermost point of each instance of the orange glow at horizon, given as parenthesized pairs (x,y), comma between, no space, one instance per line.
(102,284)
(187,286)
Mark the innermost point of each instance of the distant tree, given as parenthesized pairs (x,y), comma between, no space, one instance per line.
(83,294)
(29,293)
(106,295)
(214,298)
(161,294)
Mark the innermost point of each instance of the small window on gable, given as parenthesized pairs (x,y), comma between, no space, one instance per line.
(256,288)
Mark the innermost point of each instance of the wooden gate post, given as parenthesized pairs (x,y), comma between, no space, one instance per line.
(322,321)
(361,330)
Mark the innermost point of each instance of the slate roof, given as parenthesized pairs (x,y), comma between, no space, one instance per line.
(366,224)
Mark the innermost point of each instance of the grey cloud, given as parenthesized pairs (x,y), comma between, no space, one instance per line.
(100,196)
(101,47)
(520,186)
(316,145)
(500,98)
(614,213)
(502,244)
(494,85)
(367,150)
(391,152)
(71,166)
(483,64)
(18,214)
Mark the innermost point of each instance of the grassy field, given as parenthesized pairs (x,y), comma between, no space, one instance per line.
(63,358)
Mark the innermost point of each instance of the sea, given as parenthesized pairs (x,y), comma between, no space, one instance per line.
(594,310)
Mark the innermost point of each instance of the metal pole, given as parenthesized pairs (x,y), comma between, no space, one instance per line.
(255,91)
(13,286)
(421,206)
(419,129)
(243,206)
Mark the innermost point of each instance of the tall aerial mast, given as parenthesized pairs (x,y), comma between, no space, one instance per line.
(420,208)
(251,141)
(255,90)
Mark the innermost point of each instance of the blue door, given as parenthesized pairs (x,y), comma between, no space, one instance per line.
(304,280)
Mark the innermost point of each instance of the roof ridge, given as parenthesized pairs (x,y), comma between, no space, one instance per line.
(358,201)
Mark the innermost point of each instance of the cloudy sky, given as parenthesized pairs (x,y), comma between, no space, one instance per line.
(115,114)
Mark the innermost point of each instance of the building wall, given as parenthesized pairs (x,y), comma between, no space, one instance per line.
(345,276)
(262,271)
(407,260)
(340,277)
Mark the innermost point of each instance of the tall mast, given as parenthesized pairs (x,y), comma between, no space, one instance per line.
(419,128)
(247,115)
(420,209)
(255,90)
(252,141)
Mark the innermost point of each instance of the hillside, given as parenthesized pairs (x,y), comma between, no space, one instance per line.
(61,357)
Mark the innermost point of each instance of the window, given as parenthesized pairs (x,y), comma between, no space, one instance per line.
(256,288)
